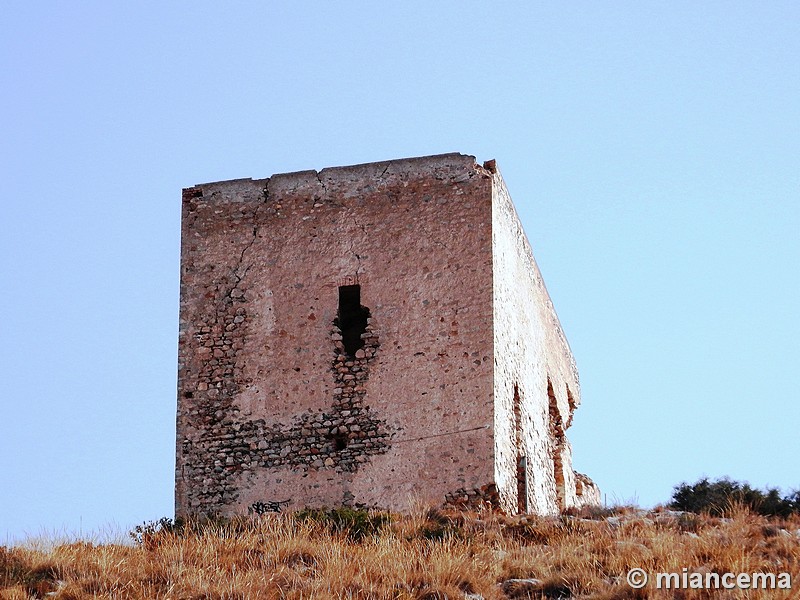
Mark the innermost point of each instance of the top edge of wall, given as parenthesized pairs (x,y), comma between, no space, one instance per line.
(373,170)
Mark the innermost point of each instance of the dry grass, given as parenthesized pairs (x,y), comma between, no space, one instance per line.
(425,555)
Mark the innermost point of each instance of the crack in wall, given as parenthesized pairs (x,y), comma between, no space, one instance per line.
(353,245)
(249,245)
(322,183)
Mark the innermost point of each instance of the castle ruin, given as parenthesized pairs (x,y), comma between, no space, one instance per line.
(371,335)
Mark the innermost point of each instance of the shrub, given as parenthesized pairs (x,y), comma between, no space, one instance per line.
(355,523)
(142,534)
(718,497)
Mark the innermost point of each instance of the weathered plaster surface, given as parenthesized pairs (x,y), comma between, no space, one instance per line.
(531,353)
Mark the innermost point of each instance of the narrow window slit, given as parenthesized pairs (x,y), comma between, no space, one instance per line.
(522,460)
(522,484)
(352,319)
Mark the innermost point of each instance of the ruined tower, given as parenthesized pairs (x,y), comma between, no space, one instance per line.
(369,335)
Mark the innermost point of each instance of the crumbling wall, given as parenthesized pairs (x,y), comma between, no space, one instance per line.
(272,407)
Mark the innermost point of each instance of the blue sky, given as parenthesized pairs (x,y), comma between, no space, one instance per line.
(652,149)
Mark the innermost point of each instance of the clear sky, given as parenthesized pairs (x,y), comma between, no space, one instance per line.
(652,149)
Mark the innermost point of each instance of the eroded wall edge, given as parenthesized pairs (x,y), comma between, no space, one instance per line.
(536,384)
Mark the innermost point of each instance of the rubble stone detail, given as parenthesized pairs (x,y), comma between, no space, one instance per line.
(476,498)
(340,438)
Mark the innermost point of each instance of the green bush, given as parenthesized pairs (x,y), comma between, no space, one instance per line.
(355,523)
(718,497)
(149,529)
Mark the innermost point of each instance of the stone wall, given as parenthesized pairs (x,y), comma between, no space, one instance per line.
(271,406)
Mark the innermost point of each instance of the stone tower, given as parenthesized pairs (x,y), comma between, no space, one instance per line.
(369,335)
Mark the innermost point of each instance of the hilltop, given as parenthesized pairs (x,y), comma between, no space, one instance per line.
(429,554)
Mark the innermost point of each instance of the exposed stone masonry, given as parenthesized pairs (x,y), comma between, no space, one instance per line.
(475,498)
(224,450)
(355,434)
(339,438)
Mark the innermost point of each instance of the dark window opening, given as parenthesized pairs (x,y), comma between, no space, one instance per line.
(522,484)
(522,461)
(352,318)
(188,395)
(340,442)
